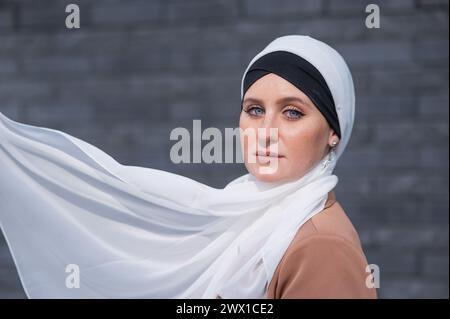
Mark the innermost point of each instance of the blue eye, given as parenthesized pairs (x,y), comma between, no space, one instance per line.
(256,111)
(293,114)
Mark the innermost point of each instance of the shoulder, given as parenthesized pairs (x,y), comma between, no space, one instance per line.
(325,259)
(331,223)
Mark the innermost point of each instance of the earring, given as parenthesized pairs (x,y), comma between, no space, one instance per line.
(331,155)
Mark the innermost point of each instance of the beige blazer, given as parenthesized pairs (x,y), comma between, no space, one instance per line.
(324,260)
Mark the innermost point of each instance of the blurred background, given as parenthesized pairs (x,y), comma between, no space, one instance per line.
(135,70)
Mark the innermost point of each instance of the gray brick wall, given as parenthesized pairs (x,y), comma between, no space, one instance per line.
(137,69)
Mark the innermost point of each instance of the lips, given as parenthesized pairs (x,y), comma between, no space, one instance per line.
(267,153)
(266,157)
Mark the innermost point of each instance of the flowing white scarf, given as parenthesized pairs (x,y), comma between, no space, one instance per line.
(133,232)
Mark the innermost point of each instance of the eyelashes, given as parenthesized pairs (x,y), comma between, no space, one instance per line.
(291,113)
(251,110)
(297,113)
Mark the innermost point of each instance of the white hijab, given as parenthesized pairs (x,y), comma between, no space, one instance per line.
(135,232)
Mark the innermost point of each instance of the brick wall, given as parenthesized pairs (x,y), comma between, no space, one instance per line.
(137,69)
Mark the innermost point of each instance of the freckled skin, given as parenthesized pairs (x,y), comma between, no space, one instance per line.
(302,140)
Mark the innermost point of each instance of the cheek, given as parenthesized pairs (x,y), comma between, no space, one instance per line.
(304,142)
(244,123)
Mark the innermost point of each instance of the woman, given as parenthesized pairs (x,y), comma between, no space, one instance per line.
(285,91)
(79,224)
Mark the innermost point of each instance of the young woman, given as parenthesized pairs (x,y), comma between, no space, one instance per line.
(79,224)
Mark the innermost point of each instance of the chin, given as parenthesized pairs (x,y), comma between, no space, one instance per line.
(274,177)
(269,178)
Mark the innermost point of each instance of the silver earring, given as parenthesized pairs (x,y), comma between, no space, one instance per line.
(331,155)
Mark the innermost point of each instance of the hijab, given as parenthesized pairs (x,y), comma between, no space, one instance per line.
(81,225)
(301,74)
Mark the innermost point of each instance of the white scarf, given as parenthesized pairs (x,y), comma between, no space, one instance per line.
(135,232)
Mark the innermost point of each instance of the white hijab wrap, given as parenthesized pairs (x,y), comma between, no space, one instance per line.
(132,232)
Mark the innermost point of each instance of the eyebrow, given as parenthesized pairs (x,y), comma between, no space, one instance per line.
(283,100)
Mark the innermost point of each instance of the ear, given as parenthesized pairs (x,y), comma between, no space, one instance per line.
(333,138)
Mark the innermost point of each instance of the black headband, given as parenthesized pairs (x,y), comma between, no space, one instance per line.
(300,73)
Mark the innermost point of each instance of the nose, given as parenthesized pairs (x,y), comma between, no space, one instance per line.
(267,132)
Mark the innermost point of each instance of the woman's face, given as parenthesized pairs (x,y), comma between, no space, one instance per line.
(304,136)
